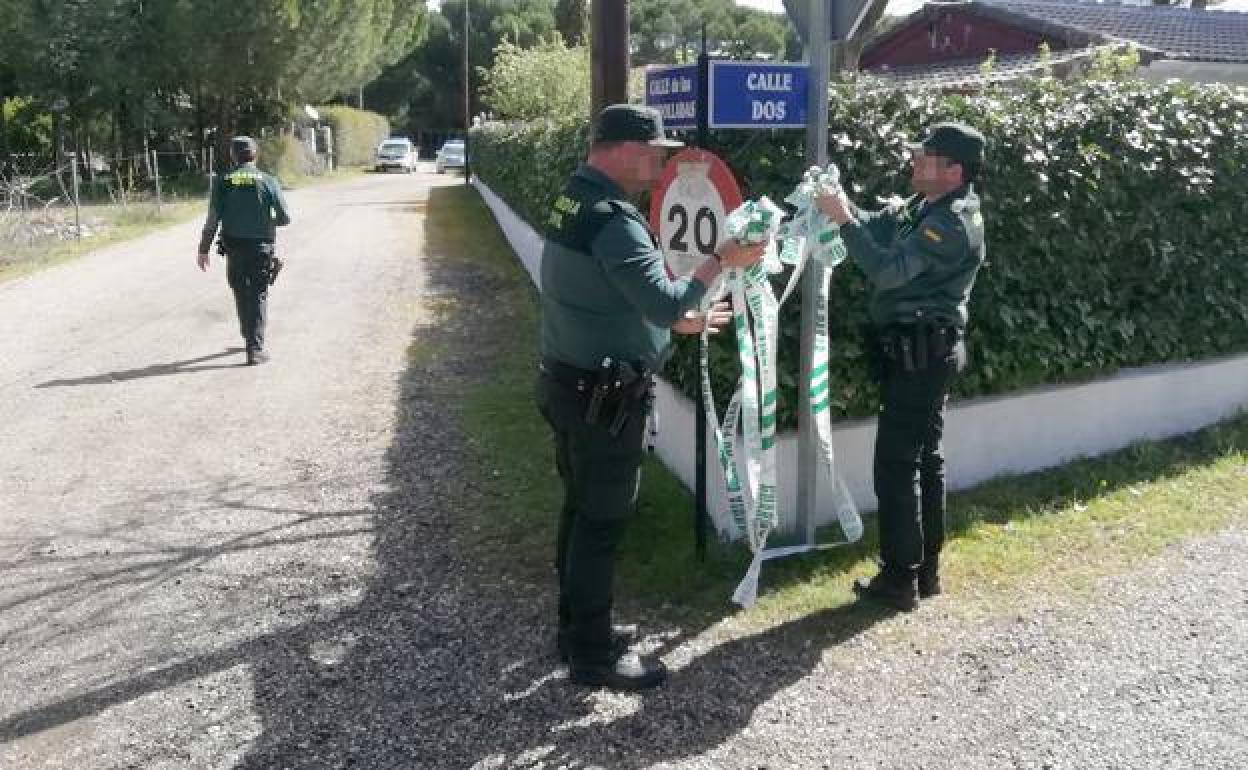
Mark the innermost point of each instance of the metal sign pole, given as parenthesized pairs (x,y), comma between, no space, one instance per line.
(817,54)
(700,513)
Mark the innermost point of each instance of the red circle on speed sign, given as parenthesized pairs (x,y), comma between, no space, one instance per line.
(688,206)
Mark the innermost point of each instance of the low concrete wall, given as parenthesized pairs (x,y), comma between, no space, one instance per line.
(985,437)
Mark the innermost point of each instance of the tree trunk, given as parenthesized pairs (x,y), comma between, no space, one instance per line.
(225,129)
(846,55)
(201,130)
(90,156)
(6,155)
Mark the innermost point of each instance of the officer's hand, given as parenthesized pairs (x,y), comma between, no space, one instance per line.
(202,259)
(736,254)
(835,206)
(694,322)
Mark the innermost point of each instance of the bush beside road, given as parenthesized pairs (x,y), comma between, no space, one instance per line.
(1113,213)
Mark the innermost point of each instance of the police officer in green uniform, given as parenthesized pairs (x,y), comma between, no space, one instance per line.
(921,259)
(248,206)
(608,308)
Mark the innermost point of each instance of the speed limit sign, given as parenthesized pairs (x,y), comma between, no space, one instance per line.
(688,206)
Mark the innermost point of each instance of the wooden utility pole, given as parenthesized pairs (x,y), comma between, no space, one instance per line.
(609,53)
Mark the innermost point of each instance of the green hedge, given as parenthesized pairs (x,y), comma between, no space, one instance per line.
(1117,231)
(283,156)
(356,134)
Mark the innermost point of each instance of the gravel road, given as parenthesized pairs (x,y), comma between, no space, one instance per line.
(207,565)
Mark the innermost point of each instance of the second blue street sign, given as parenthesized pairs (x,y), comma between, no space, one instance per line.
(752,94)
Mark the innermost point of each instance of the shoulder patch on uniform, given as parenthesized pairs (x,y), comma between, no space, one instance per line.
(243,178)
(932,235)
(564,207)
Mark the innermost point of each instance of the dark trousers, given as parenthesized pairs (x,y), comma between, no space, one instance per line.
(601,474)
(910,461)
(247,270)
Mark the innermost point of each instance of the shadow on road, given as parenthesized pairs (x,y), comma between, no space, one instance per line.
(451,663)
(187,366)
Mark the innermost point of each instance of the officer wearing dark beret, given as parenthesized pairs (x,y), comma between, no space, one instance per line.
(608,310)
(248,206)
(921,259)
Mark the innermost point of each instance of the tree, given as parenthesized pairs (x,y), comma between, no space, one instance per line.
(131,70)
(845,54)
(670,31)
(550,79)
(426,89)
(755,35)
(572,21)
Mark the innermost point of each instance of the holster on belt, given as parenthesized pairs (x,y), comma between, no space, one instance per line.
(613,392)
(915,347)
(619,392)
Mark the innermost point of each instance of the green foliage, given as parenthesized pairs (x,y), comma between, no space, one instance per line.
(530,83)
(1114,215)
(426,89)
(528,163)
(572,21)
(989,64)
(356,134)
(670,31)
(130,74)
(29,129)
(284,157)
(1115,64)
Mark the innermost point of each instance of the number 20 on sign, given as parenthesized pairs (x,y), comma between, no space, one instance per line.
(688,206)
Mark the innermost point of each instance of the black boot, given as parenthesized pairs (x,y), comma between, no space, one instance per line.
(890,590)
(622,636)
(628,673)
(929,578)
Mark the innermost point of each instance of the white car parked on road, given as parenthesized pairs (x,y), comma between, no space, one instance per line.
(396,153)
(451,155)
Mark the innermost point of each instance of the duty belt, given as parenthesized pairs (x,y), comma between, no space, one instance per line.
(616,384)
(913,347)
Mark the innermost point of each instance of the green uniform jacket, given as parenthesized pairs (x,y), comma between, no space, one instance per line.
(248,203)
(921,260)
(605,287)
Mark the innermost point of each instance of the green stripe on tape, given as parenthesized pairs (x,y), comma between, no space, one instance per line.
(819,390)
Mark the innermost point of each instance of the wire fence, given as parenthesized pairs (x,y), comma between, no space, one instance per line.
(43,201)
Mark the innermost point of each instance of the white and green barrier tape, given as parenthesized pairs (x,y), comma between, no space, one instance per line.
(746,439)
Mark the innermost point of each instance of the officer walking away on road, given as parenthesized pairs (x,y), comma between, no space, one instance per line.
(248,205)
(608,307)
(921,260)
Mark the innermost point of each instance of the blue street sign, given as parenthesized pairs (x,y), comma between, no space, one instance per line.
(752,94)
(674,92)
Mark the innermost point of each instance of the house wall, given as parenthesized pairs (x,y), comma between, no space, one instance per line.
(950,35)
(1196,71)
